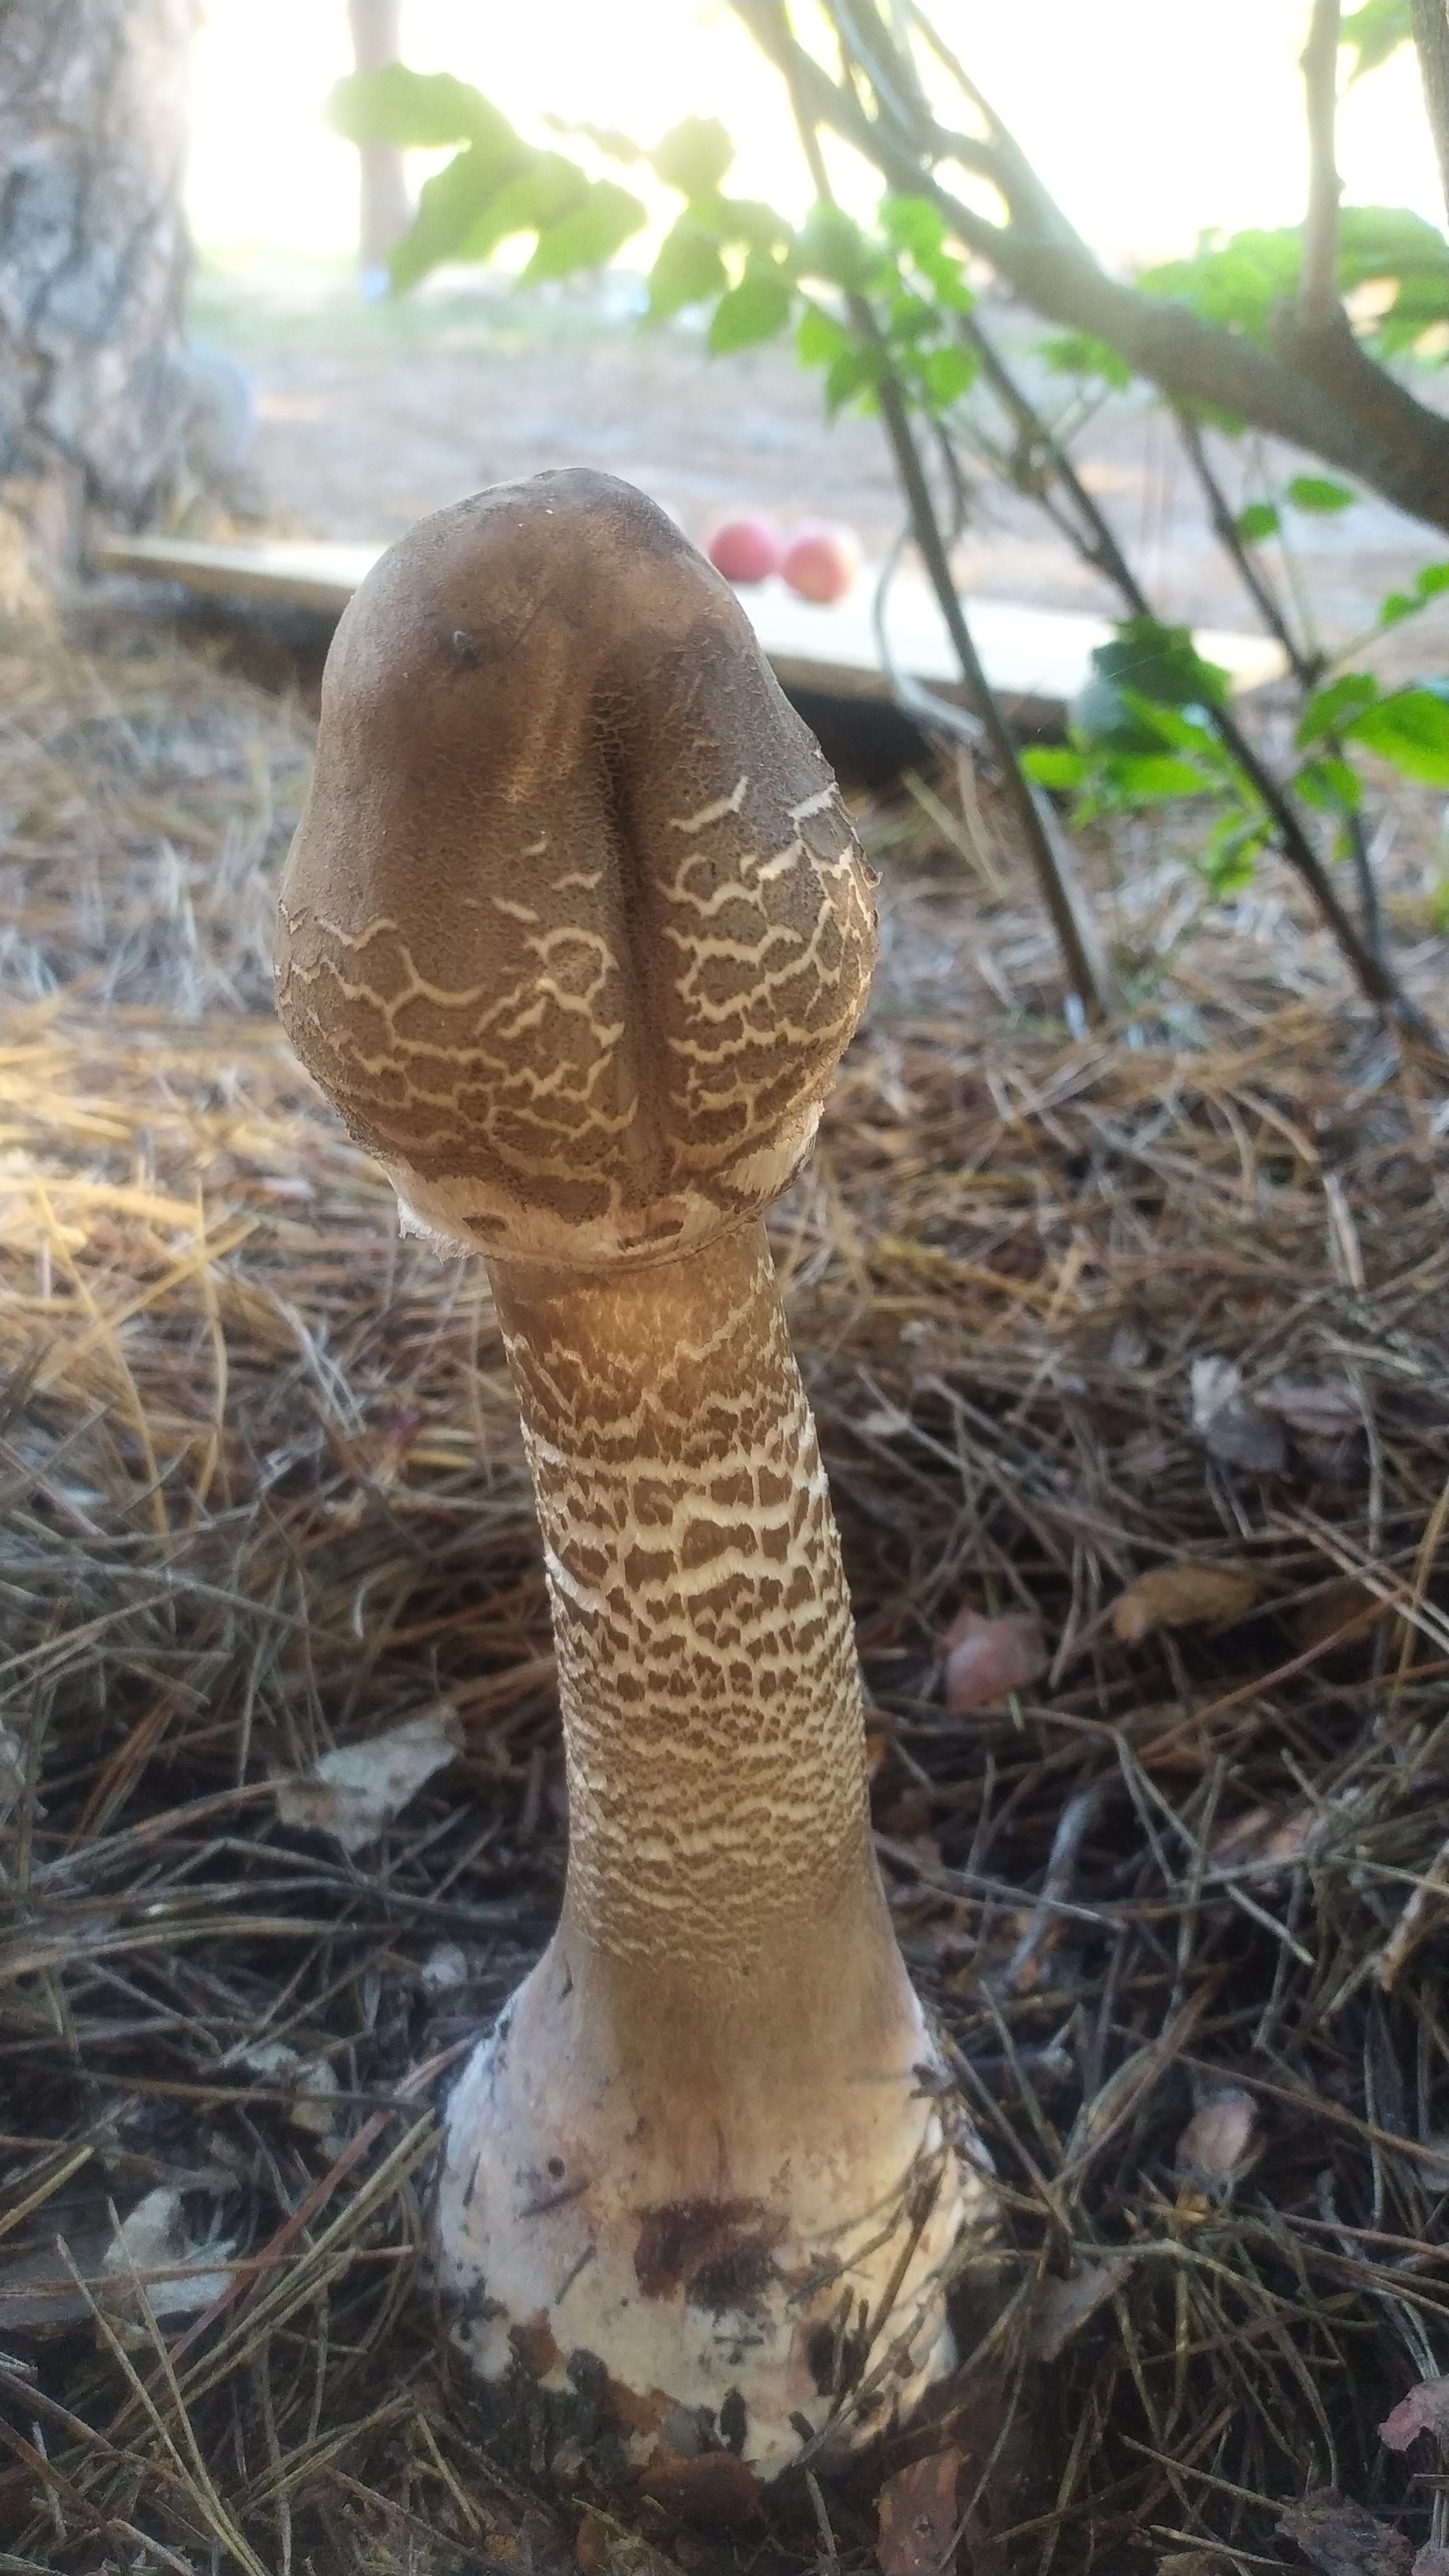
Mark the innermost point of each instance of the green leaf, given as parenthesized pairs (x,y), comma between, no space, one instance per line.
(852,373)
(1238,281)
(450,207)
(1373,33)
(741,220)
(1258,521)
(543,196)
(1410,730)
(1328,710)
(1314,492)
(418,109)
(947,374)
(912,224)
(1330,786)
(1081,353)
(909,317)
(819,339)
(1148,778)
(946,280)
(1232,850)
(607,217)
(1151,661)
(829,245)
(1052,768)
(694,156)
(754,310)
(1407,603)
(688,270)
(1186,728)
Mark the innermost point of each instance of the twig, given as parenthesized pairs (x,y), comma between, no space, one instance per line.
(1084,962)
(1318,304)
(1073,1826)
(1307,668)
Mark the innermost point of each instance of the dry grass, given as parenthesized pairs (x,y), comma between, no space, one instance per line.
(263,1495)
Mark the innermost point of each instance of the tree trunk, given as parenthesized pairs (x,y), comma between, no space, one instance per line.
(94,258)
(384,208)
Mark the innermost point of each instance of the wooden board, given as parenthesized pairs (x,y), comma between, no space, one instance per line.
(1036,658)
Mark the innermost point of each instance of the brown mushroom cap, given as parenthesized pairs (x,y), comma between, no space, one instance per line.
(574,929)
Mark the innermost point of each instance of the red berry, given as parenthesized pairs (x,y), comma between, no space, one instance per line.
(746,549)
(821,561)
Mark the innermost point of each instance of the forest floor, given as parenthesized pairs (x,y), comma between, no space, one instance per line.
(1137,1343)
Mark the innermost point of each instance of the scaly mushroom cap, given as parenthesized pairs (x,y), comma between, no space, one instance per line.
(574,928)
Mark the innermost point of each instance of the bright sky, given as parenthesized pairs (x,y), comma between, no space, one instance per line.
(1149,119)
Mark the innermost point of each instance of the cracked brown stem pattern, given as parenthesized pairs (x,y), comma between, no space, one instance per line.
(707,1667)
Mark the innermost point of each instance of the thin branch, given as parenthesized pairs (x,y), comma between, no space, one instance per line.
(1319,391)
(1430,22)
(1306,667)
(1318,304)
(1075,931)
(1021,187)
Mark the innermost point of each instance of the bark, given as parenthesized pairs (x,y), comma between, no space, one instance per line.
(94,257)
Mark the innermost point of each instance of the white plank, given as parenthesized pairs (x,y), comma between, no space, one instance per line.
(1036,658)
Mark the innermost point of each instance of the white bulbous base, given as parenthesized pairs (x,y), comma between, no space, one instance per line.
(779,2264)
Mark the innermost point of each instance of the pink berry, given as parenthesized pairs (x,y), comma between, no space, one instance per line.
(746,549)
(821,561)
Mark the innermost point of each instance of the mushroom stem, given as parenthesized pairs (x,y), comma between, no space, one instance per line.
(707,1671)
(708,2139)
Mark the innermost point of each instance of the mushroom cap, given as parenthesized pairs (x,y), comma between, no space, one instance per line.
(574,929)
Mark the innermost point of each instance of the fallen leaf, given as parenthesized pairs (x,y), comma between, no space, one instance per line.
(155,2237)
(1212,1383)
(445,1967)
(918,2516)
(311,2082)
(1343,1610)
(714,2489)
(1344,2539)
(353,1793)
(591,2546)
(987,1659)
(1062,2306)
(1217,2139)
(1318,1408)
(1181,1596)
(1231,1425)
(1197,2562)
(1424,2410)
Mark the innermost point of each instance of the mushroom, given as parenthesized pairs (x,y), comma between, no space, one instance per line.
(574,931)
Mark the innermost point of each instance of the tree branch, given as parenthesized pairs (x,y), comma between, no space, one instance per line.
(1318,304)
(1304,667)
(1430,22)
(1316,389)
(1076,933)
